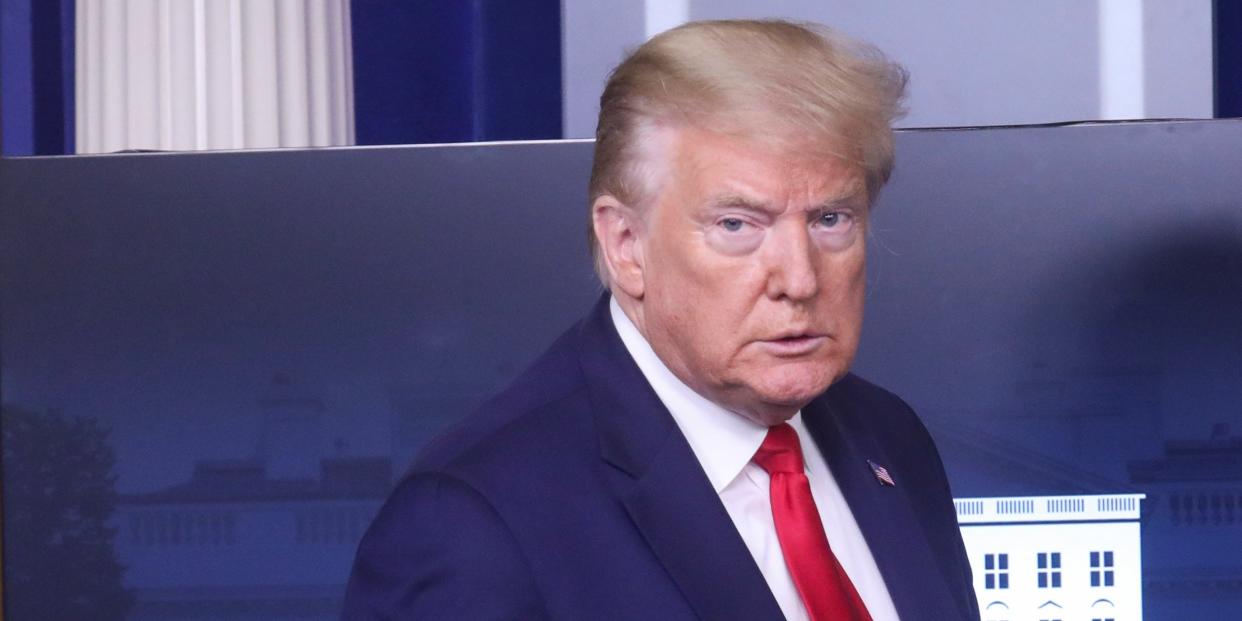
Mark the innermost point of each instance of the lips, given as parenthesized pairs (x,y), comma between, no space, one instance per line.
(795,334)
(794,343)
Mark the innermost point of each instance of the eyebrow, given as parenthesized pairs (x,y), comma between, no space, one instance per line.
(737,201)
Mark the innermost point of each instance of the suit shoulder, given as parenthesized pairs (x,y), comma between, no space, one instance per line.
(855,391)
(866,406)
(428,523)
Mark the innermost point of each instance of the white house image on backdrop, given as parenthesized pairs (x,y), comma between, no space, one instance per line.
(1054,558)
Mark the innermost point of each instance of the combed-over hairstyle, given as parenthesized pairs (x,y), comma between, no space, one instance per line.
(794,85)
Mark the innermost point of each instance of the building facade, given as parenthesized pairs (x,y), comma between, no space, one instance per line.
(1055,558)
(232,543)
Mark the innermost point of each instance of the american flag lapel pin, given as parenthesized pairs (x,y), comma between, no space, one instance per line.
(881,474)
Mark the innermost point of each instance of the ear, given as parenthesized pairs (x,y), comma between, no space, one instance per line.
(618,227)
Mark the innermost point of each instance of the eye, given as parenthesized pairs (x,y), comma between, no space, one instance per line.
(830,219)
(735,235)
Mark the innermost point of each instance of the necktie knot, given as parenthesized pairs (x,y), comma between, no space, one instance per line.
(780,452)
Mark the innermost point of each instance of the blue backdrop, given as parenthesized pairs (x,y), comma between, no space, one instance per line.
(216,364)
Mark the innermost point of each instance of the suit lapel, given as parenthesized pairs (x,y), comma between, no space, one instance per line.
(684,522)
(663,487)
(884,514)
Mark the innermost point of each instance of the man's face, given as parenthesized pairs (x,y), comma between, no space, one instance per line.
(753,276)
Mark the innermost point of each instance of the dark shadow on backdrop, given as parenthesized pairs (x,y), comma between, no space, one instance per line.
(1162,318)
(1173,309)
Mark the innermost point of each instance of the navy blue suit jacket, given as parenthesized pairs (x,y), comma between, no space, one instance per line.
(573,495)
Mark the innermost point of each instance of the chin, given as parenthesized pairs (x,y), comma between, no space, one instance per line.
(771,394)
(798,385)
(783,398)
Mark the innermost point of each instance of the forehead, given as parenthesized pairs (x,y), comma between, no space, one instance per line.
(719,167)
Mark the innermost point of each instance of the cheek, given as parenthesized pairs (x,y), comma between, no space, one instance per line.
(857,286)
(845,274)
(845,290)
(702,330)
(699,291)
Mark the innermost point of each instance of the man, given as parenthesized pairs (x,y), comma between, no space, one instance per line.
(696,447)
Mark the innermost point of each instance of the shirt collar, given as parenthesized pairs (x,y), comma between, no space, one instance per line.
(722,441)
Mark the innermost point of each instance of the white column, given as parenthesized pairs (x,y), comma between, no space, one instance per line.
(1177,59)
(1155,59)
(213,74)
(1121,59)
(294,89)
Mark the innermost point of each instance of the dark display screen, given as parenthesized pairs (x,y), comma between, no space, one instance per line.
(215,366)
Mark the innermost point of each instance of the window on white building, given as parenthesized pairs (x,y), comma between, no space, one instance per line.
(996,571)
(1049,565)
(1102,568)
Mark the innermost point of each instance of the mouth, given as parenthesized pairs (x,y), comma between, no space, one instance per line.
(796,344)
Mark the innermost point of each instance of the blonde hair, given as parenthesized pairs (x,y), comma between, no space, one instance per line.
(766,80)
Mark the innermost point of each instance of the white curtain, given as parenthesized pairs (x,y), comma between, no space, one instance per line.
(213,74)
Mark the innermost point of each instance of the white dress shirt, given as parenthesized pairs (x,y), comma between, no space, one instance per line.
(724,443)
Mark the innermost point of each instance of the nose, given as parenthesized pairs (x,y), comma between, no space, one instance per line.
(791,264)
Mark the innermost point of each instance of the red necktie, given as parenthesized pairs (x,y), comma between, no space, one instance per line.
(825,588)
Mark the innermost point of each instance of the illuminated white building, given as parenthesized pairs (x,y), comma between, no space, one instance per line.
(1055,558)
